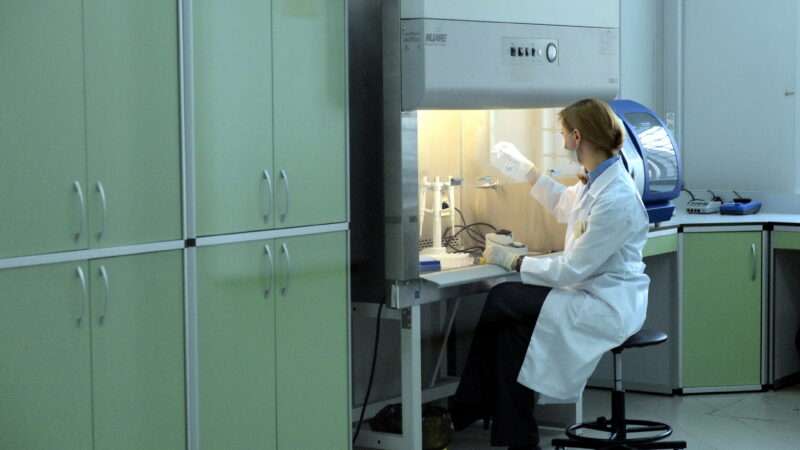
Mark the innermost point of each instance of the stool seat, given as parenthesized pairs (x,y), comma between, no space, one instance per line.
(643,338)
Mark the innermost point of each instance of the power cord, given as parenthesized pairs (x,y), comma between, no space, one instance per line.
(471,230)
(371,374)
(690,193)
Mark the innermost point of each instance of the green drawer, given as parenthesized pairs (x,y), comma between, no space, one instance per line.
(660,245)
(786,240)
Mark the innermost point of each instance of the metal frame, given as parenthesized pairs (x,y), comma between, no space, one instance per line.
(766,304)
(271,234)
(94,253)
(679,327)
(656,233)
(712,390)
(722,229)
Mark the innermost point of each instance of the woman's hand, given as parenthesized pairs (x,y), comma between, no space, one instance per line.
(501,256)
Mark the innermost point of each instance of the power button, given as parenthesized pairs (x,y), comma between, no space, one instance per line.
(552,52)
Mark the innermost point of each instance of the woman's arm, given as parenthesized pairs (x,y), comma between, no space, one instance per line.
(556,198)
(609,227)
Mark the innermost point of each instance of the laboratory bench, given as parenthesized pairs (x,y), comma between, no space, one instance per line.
(722,287)
(725,289)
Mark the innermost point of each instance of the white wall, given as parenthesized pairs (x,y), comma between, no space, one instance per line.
(739,60)
(642,52)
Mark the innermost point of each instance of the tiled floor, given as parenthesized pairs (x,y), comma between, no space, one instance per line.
(753,421)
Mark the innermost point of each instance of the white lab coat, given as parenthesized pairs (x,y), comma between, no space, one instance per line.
(599,295)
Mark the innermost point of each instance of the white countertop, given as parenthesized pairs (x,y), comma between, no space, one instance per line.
(682,218)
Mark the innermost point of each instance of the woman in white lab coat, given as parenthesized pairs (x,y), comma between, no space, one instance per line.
(547,334)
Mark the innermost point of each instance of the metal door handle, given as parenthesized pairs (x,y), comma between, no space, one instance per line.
(288,272)
(788,93)
(753,248)
(103,206)
(104,275)
(267,196)
(285,179)
(270,271)
(82,304)
(82,209)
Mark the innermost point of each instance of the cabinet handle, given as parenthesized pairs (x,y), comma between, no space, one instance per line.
(104,275)
(82,304)
(288,273)
(267,196)
(270,271)
(753,249)
(76,185)
(103,207)
(285,179)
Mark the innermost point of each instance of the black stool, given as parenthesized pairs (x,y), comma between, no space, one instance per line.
(618,427)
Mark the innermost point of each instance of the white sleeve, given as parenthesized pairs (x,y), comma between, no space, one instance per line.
(558,199)
(609,226)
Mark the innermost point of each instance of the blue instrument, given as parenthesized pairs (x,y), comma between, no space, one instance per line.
(660,158)
(740,208)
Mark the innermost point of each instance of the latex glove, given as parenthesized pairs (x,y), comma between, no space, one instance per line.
(506,158)
(500,256)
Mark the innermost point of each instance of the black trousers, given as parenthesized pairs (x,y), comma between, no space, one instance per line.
(488,386)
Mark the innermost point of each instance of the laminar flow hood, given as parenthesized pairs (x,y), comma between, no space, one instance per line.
(476,54)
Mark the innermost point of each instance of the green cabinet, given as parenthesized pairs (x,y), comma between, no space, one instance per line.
(45,372)
(272,325)
(310,111)
(660,245)
(132,121)
(270,114)
(722,309)
(42,142)
(233,116)
(93,355)
(89,124)
(312,350)
(236,344)
(137,352)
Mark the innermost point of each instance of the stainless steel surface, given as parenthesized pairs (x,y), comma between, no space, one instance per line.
(270,273)
(81,310)
(400,172)
(287,274)
(721,229)
(453,64)
(101,315)
(103,207)
(285,178)
(76,185)
(267,196)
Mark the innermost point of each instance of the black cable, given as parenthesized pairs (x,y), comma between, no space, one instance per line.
(371,374)
(737,194)
(690,193)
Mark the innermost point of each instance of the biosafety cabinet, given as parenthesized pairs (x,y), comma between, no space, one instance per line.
(434,85)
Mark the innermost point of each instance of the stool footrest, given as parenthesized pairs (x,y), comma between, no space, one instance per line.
(662,431)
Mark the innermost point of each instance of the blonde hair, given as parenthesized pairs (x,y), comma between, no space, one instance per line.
(597,123)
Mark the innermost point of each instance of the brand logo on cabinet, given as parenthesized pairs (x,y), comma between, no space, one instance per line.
(436,38)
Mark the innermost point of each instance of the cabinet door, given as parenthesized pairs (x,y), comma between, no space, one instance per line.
(233,116)
(722,309)
(310,111)
(312,355)
(133,121)
(236,328)
(42,144)
(137,352)
(45,390)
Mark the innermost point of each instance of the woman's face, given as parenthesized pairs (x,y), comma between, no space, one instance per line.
(571,141)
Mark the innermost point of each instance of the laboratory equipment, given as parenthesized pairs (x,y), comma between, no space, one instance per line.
(434,93)
(437,251)
(659,153)
(700,206)
(740,208)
